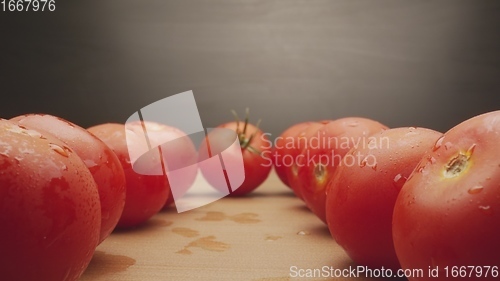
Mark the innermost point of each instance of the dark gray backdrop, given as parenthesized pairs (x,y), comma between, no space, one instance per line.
(420,63)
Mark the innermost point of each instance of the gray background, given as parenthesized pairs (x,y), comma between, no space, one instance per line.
(419,63)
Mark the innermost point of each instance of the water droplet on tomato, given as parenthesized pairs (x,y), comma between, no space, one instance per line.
(67,149)
(295,169)
(448,145)
(90,163)
(33,133)
(319,172)
(399,181)
(353,124)
(397,177)
(486,209)
(438,143)
(470,151)
(303,233)
(60,150)
(476,189)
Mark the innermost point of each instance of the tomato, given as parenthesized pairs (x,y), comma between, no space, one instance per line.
(281,150)
(146,194)
(448,212)
(301,144)
(363,190)
(255,149)
(179,155)
(50,212)
(326,148)
(97,156)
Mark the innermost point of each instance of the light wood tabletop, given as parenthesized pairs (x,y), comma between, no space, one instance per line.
(269,235)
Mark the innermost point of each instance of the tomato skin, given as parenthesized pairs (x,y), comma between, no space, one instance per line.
(97,156)
(257,169)
(178,152)
(283,144)
(335,139)
(146,194)
(361,196)
(445,218)
(49,208)
(302,140)
(257,166)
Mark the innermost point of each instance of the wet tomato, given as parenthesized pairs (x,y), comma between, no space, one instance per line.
(146,194)
(282,157)
(364,188)
(49,208)
(301,144)
(448,212)
(326,148)
(97,156)
(255,149)
(178,155)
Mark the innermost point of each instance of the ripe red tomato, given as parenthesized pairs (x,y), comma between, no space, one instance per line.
(49,208)
(146,194)
(97,156)
(179,155)
(448,212)
(256,150)
(363,190)
(301,144)
(326,148)
(281,150)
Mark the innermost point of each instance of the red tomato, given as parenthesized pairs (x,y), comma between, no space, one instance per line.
(448,212)
(301,142)
(49,208)
(363,190)
(326,148)
(97,156)
(179,155)
(281,150)
(255,148)
(146,194)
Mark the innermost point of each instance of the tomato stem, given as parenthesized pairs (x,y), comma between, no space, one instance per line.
(244,142)
(247,113)
(237,120)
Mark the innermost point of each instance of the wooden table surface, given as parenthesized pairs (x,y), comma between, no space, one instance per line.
(258,237)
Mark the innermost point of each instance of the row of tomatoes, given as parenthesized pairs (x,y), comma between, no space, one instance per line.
(391,197)
(409,198)
(64,189)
